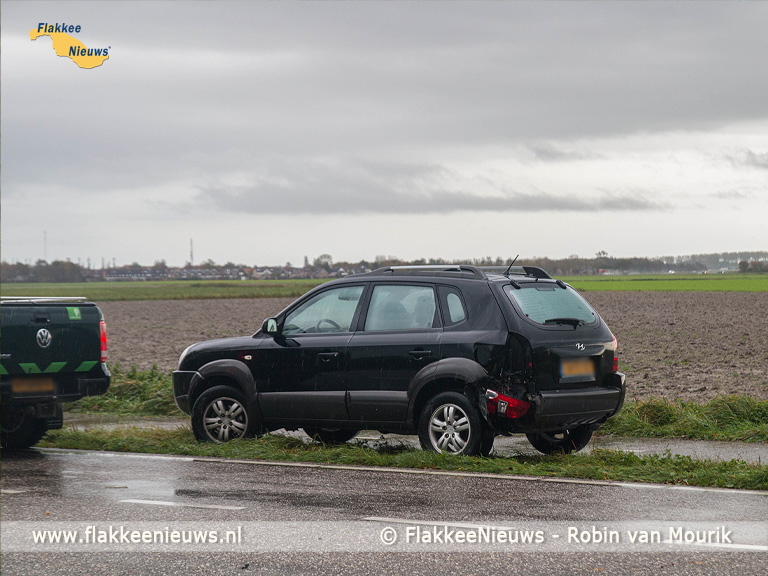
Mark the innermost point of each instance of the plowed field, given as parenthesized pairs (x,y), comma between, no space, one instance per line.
(690,346)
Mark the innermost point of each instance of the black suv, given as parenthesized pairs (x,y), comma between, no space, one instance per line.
(454,353)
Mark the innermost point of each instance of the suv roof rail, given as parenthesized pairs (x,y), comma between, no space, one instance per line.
(434,269)
(43,299)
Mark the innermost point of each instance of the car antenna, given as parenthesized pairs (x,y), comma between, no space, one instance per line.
(510,266)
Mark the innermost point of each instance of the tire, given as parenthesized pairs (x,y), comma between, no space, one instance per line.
(331,435)
(220,414)
(21,431)
(564,442)
(486,442)
(450,424)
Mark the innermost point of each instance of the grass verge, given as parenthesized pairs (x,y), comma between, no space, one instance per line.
(728,418)
(733,418)
(599,465)
(136,393)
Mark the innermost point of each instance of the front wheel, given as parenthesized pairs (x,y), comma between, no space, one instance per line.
(450,424)
(331,435)
(220,414)
(565,442)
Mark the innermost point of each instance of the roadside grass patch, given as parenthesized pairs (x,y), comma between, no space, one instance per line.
(599,465)
(735,418)
(727,418)
(148,393)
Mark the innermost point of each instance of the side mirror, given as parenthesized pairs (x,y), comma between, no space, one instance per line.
(269,326)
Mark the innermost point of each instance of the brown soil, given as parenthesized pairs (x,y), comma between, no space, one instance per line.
(689,346)
(157,331)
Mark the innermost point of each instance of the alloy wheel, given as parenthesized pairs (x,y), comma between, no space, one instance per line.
(449,429)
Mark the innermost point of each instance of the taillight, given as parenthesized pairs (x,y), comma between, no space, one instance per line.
(504,406)
(103,335)
(615,354)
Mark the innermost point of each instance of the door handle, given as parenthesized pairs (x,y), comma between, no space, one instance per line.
(327,356)
(419,354)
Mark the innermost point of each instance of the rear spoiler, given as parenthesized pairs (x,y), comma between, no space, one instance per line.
(532,271)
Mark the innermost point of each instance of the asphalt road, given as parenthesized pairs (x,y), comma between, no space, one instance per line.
(306,519)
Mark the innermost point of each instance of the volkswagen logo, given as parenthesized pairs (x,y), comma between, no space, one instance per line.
(580,346)
(44,338)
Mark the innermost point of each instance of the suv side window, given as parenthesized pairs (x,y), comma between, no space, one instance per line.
(398,307)
(329,311)
(454,309)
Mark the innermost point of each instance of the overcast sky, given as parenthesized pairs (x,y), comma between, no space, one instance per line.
(268,131)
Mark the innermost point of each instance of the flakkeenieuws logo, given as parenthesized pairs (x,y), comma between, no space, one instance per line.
(66,45)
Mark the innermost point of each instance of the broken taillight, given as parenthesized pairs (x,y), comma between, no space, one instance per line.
(504,406)
(103,336)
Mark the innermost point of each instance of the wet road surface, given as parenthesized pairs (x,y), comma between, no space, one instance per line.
(311,519)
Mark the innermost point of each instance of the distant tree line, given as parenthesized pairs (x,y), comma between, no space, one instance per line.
(753,267)
(324,266)
(42,271)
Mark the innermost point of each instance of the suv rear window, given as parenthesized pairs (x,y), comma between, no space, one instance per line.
(542,302)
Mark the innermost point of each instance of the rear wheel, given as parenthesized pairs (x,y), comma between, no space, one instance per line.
(19,430)
(450,424)
(486,443)
(331,435)
(567,441)
(220,414)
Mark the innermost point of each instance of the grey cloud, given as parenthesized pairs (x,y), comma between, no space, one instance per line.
(547,152)
(201,91)
(748,158)
(391,189)
(756,160)
(730,195)
(437,72)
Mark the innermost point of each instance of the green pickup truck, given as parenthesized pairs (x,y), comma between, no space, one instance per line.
(52,350)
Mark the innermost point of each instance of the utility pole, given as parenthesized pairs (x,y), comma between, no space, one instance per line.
(191,254)
(45,245)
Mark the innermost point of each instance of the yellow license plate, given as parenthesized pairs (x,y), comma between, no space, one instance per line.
(32,385)
(580,367)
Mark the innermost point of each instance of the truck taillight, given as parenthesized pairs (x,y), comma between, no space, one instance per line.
(615,354)
(504,406)
(103,334)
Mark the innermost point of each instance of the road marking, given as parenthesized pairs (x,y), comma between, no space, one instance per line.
(12,491)
(615,483)
(105,454)
(754,547)
(182,504)
(144,456)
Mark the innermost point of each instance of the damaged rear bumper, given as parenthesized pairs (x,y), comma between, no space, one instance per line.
(563,409)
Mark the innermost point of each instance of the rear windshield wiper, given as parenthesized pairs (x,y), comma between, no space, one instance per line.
(570,321)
